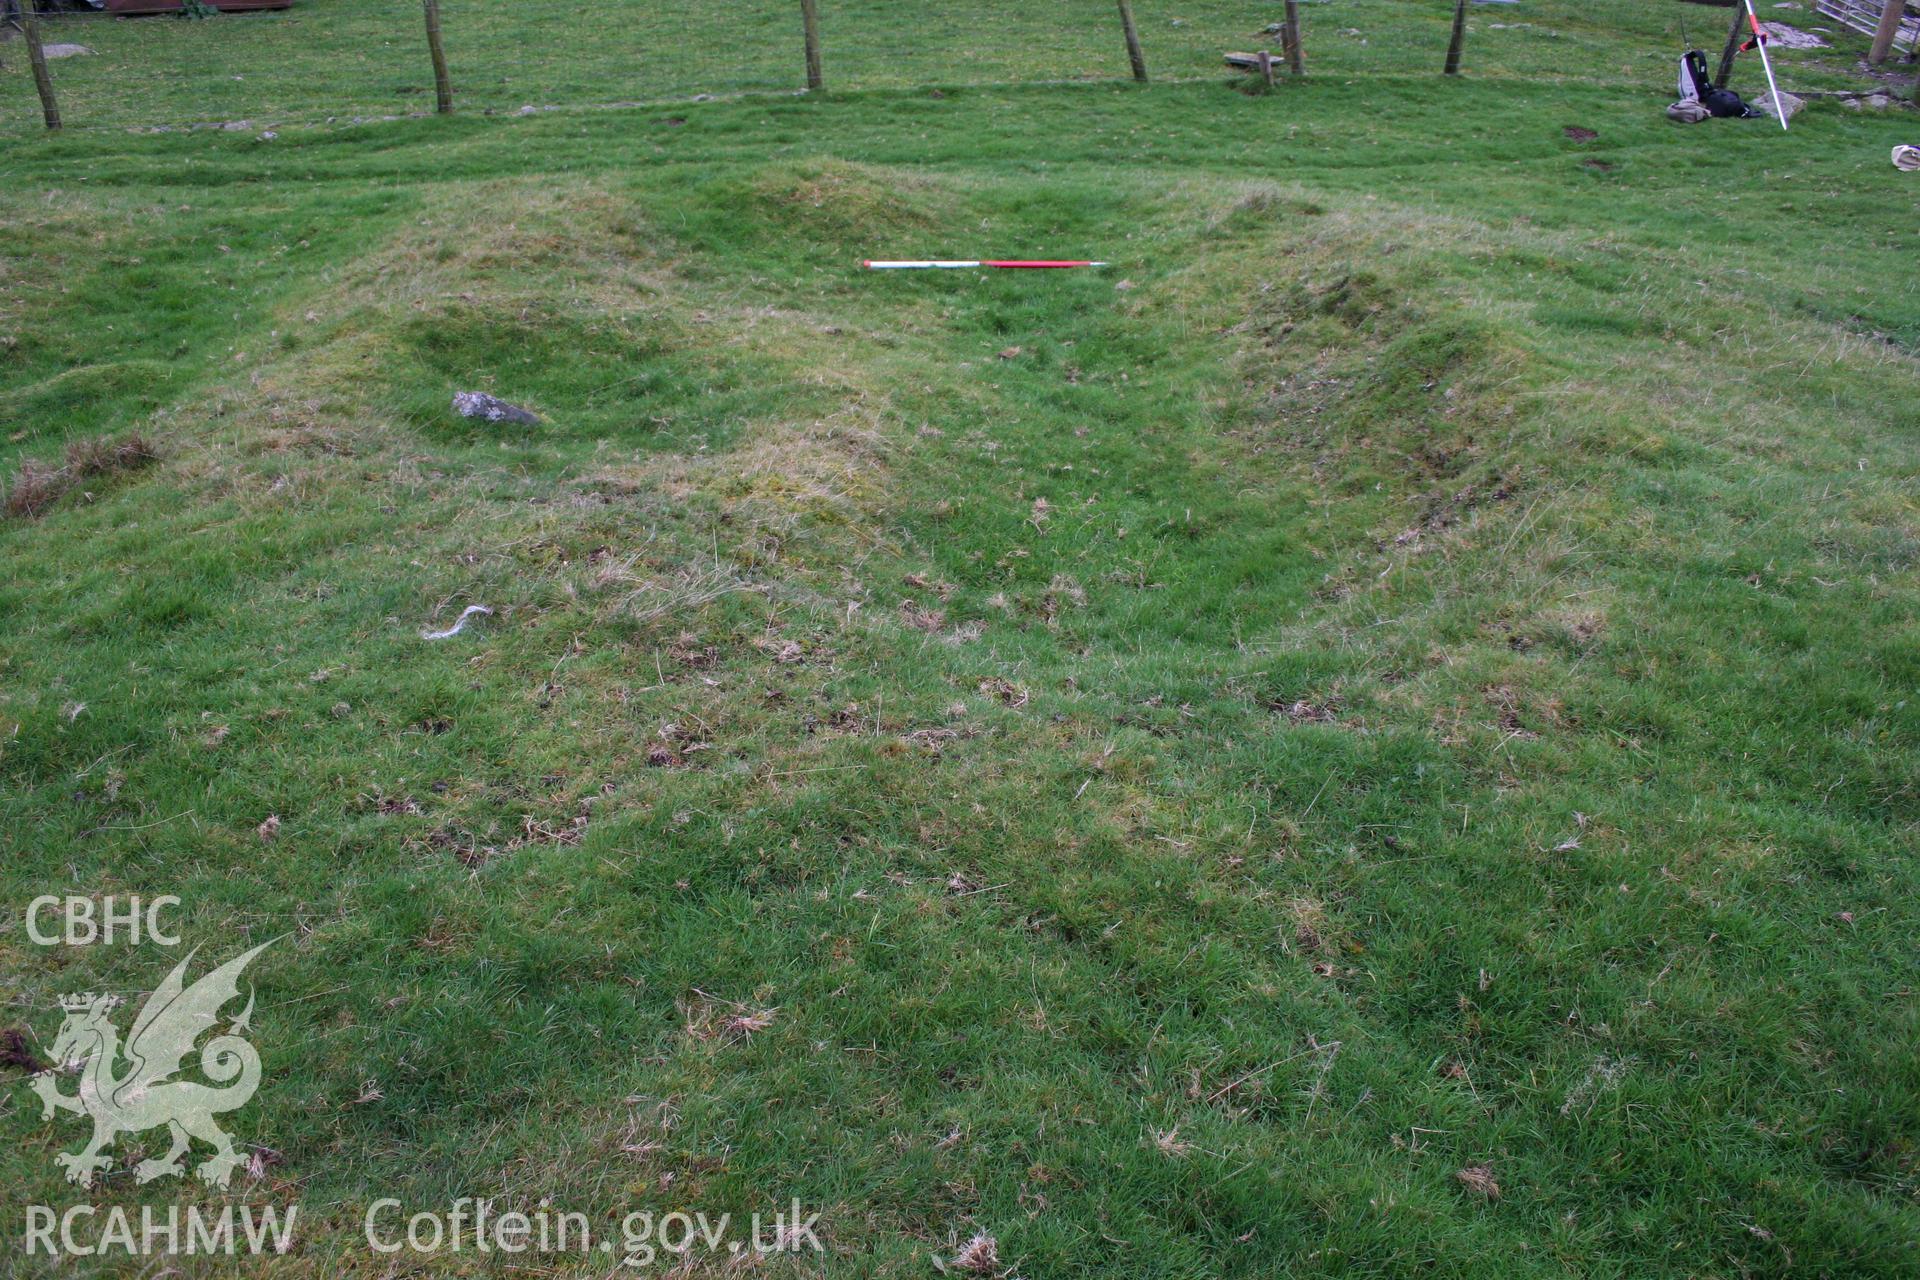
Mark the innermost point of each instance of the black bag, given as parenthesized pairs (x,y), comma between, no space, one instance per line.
(1725,104)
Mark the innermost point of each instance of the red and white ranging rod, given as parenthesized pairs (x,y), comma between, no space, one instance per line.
(1003,263)
(1759,42)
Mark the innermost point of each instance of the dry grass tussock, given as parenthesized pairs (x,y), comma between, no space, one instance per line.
(843,198)
(36,485)
(643,597)
(783,471)
(575,248)
(785,488)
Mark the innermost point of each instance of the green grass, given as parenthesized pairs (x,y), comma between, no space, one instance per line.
(1420,678)
(340,61)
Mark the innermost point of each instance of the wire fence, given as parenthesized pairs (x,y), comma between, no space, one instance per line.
(357,59)
(336,61)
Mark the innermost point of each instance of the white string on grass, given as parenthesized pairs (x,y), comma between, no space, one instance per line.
(459,625)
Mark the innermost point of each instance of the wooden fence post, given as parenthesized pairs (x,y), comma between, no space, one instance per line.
(1264,62)
(442,84)
(1457,45)
(1134,55)
(1891,12)
(1735,38)
(1290,40)
(810,24)
(42,80)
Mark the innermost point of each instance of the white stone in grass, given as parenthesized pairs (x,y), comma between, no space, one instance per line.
(1765,103)
(478,404)
(1792,37)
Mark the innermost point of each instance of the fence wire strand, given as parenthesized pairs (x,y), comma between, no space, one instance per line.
(342,61)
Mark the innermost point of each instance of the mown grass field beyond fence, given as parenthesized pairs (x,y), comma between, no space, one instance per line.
(341,60)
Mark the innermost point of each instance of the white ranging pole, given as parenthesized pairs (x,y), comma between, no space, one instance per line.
(1004,263)
(1760,43)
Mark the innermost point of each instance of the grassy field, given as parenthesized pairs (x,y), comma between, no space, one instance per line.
(335,61)
(1374,738)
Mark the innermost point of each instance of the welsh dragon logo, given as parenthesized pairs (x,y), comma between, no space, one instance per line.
(141,1092)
